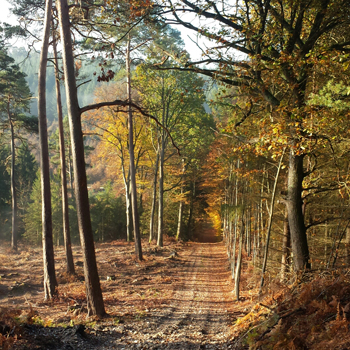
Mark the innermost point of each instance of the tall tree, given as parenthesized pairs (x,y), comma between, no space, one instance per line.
(92,283)
(15,96)
(65,207)
(50,282)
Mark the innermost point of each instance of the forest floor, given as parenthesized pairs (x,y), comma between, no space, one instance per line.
(179,297)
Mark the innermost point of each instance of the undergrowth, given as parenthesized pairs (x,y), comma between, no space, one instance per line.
(312,313)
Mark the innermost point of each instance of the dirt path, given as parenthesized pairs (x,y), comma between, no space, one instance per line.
(166,302)
(200,310)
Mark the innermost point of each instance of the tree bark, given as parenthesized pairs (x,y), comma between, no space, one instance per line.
(285,262)
(239,261)
(64,192)
(154,199)
(268,233)
(347,246)
(13,181)
(95,303)
(295,212)
(181,205)
(161,193)
(135,213)
(50,282)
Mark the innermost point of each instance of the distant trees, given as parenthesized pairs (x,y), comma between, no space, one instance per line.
(14,102)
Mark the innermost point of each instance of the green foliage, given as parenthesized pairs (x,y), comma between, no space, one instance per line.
(335,95)
(26,169)
(107,214)
(33,221)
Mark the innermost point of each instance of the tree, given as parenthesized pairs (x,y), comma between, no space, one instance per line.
(50,282)
(280,48)
(93,289)
(65,210)
(14,103)
(176,100)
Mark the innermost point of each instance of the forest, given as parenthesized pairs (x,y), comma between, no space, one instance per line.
(153,199)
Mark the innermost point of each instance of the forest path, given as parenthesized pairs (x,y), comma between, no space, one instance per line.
(200,312)
(202,303)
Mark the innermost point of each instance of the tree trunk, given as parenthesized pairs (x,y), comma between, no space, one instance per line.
(95,303)
(235,225)
(64,193)
(248,233)
(239,261)
(135,213)
(190,215)
(13,181)
(154,199)
(295,212)
(181,205)
(347,246)
(128,213)
(285,248)
(50,282)
(268,233)
(161,194)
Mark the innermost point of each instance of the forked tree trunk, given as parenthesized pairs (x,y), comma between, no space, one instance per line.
(95,303)
(64,192)
(295,212)
(13,181)
(135,213)
(50,282)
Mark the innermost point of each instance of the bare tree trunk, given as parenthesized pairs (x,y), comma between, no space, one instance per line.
(295,212)
(64,193)
(189,222)
(128,214)
(179,220)
(13,181)
(235,226)
(347,246)
(154,199)
(286,247)
(248,235)
(50,282)
(268,233)
(135,213)
(95,303)
(161,193)
(239,261)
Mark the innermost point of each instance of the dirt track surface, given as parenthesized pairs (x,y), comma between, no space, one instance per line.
(165,302)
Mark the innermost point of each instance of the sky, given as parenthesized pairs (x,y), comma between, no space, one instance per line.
(5,13)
